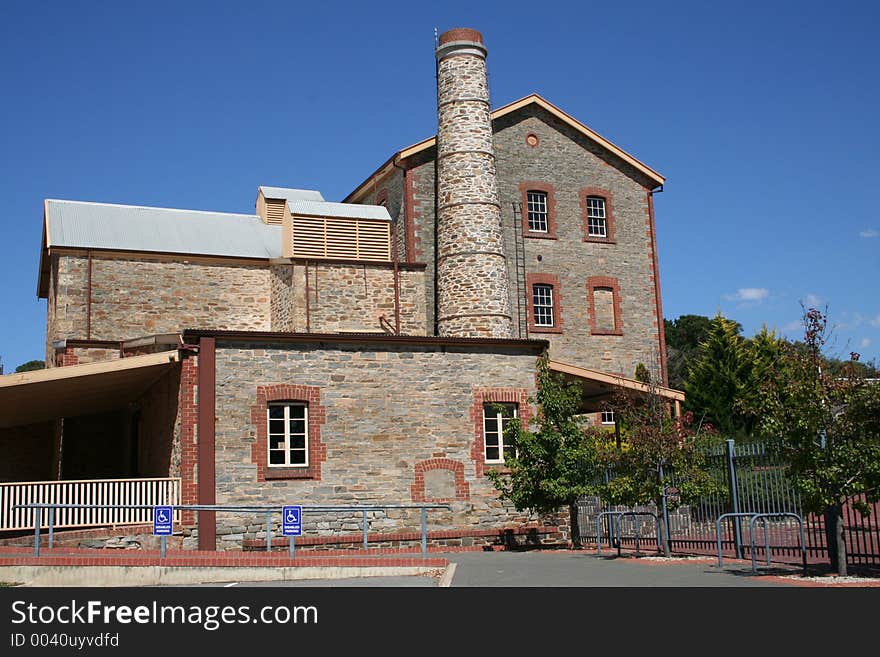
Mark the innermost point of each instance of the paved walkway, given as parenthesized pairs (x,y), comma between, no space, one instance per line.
(557,569)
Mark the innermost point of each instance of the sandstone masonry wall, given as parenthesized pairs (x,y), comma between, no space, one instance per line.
(345,297)
(138,296)
(570,164)
(396,425)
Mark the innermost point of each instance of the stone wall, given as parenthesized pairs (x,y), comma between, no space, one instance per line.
(136,296)
(395,424)
(570,164)
(565,163)
(349,297)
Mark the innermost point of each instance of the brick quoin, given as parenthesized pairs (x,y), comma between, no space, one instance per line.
(544,279)
(594,282)
(67,357)
(535,186)
(259,416)
(518,396)
(188,437)
(462,489)
(609,214)
(410,216)
(658,308)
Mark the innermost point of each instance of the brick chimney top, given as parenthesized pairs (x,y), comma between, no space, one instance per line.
(461,34)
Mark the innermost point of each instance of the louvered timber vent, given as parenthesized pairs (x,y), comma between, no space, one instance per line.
(274,211)
(341,238)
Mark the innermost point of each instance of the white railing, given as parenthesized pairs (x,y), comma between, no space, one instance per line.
(148,492)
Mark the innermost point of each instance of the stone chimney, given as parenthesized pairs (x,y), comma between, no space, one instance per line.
(472,282)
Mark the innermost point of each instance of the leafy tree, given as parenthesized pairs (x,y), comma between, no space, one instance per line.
(829,431)
(717,378)
(30,366)
(658,451)
(765,356)
(555,465)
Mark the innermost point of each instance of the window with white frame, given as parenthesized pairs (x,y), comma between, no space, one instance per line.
(495,419)
(542,304)
(537,208)
(288,434)
(607,417)
(597,220)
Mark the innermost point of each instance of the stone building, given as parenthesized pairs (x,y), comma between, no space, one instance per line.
(322,353)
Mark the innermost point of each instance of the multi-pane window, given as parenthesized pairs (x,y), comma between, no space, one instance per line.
(288,434)
(607,417)
(495,419)
(537,208)
(597,220)
(542,304)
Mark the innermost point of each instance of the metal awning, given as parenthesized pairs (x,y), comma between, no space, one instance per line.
(599,387)
(74,390)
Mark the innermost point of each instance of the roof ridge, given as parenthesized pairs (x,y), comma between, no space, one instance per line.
(153,207)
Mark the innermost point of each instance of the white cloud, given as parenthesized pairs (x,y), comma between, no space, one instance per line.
(876,322)
(864,342)
(869,233)
(796,325)
(813,301)
(748,294)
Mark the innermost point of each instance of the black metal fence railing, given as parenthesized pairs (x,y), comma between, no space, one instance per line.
(754,480)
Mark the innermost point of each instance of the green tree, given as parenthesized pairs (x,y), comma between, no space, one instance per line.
(717,378)
(765,356)
(828,429)
(658,451)
(555,465)
(30,366)
(683,338)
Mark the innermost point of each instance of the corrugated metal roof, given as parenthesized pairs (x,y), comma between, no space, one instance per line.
(348,210)
(291,194)
(80,224)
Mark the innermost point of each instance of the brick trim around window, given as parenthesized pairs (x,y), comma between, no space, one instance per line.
(609,214)
(550,191)
(462,489)
(594,282)
(544,279)
(311,395)
(518,396)
(382,197)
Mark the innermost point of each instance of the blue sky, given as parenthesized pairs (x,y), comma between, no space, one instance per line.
(761,115)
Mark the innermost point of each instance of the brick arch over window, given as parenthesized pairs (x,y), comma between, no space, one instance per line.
(311,395)
(601,192)
(462,489)
(550,191)
(518,396)
(604,283)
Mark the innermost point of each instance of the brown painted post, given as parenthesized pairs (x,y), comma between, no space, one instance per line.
(207,522)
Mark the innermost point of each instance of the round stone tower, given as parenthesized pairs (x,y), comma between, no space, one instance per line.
(472,294)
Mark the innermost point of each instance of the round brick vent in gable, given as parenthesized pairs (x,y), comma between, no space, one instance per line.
(532,139)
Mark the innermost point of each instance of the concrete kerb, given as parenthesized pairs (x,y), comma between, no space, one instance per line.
(53,575)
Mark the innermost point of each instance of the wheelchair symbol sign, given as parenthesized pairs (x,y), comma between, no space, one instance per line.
(163,521)
(291,520)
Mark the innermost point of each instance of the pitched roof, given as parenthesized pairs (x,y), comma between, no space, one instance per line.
(532,99)
(78,224)
(347,210)
(290,194)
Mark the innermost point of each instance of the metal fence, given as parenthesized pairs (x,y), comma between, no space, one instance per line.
(754,480)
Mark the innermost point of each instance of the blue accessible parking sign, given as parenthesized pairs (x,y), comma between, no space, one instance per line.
(163,521)
(291,521)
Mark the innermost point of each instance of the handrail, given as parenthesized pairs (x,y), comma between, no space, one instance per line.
(610,530)
(636,515)
(267,509)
